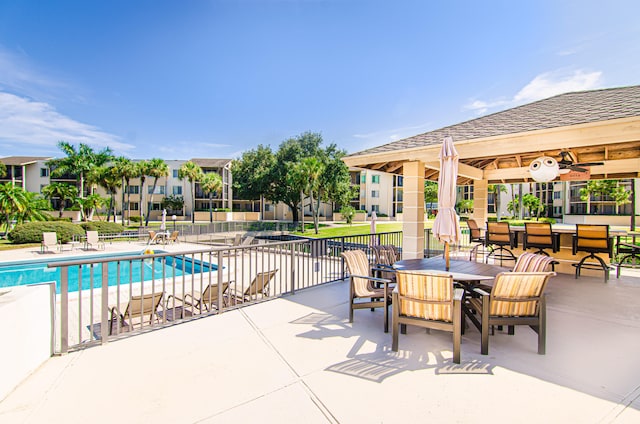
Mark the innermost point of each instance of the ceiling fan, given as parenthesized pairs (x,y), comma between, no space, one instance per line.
(566,164)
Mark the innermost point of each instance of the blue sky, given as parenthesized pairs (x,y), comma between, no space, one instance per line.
(184,79)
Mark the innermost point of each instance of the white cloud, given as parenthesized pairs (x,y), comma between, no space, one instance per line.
(38,124)
(394,133)
(542,86)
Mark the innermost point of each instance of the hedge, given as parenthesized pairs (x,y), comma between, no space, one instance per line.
(103,227)
(31,232)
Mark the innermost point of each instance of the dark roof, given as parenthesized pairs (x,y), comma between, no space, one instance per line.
(22,160)
(210,163)
(558,111)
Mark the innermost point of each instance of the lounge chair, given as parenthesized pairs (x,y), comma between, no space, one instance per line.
(173,237)
(152,237)
(430,301)
(93,241)
(517,298)
(50,241)
(138,308)
(259,286)
(207,299)
(363,293)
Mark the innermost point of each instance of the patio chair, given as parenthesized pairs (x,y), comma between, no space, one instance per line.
(173,237)
(499,234)
(538,235)
(152,237)
(533,262)
(517,298)
(93,240)
(628,255)
(386,255)
(592,239)
(50,241)
(207,299)
(259,286)
(475,236)
(430,301)
(363,293)
(143,308)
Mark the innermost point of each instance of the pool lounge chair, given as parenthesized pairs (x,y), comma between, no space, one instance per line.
(93,241)
(140,311)
(208,300)
(259,286)
(50,241)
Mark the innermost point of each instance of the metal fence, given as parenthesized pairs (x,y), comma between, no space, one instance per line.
(105,298)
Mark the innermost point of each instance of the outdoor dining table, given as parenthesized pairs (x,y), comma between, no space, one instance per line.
(466,273)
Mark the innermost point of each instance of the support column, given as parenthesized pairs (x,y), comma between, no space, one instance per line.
(480,201)
(413,210)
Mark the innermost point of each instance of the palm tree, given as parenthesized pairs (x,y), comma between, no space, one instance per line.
(78,162)
(3,170)
(35,205)
(158,168)
(89,204)
(107,177)
(313,168)
(13,202)
(193,173)
(60,191)
(211,183)
(125,169)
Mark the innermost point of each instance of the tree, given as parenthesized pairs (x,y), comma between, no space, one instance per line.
(430,192)
(306,174)
(348,213)
(497,189)
(193,173)
(125,169)
(605,188)
(63,192)
(78,162)
(514,206)
(252,174)
(3,170)
(211,183)
(157,169)
(35,205)
(13,202)
(173,203)
(89,204)
(532,204)
(143,170)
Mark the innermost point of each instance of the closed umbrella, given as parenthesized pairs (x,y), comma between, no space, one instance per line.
(163,224)
(446,227)
(374,217)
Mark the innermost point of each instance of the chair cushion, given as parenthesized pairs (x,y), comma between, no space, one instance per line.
(531,262)
(512,285)
(426,287)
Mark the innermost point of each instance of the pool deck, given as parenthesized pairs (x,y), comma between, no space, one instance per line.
(296,358)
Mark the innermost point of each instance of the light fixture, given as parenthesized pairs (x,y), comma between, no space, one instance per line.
(544,169)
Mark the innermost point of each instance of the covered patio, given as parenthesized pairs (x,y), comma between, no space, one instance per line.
(591,126)
(296,358)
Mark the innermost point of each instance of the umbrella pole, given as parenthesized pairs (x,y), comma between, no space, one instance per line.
(446,255)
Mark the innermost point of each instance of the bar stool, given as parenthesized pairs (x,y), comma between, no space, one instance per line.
(475,236)
(499,234)
(592,239)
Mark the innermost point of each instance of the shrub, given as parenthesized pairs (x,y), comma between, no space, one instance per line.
(31,232)
(103,227)
(134,219)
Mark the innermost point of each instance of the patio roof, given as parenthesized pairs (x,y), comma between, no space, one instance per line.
(22,160)
(598,125)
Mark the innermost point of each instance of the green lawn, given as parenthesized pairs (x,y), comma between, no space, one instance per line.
(351,230)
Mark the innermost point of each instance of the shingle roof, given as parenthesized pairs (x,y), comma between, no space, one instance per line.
(22,160)
(558,111)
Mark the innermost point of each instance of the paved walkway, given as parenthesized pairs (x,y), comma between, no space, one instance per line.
(297,359)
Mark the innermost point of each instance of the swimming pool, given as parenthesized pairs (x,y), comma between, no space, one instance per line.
(33,272)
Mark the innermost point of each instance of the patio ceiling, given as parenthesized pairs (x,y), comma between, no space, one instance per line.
(594,126)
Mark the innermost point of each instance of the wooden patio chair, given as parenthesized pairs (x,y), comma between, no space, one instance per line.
(430,301)
(50,242)
(173,237)
(363,292)
(92,240)
(517,298)
(259,286)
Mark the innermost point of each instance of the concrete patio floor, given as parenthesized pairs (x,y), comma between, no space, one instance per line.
(297,359)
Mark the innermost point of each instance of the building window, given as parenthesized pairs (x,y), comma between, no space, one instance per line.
(375,193)
(176,190)
(375,179)
(375,208)
(175,173)
(134,206)
(557,195)
(363,178)
(44,172)
(134,189)
(159,190)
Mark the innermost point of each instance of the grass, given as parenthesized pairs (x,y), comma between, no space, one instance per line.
(352,230)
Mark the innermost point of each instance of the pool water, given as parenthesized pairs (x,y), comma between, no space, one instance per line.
(130,270)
